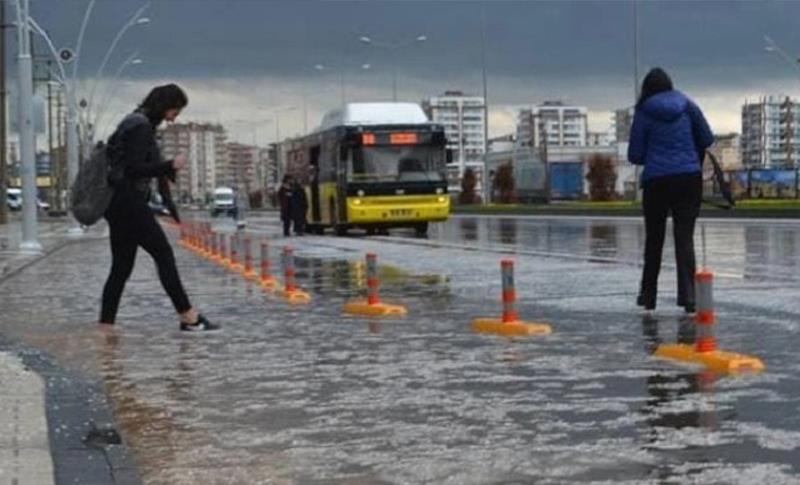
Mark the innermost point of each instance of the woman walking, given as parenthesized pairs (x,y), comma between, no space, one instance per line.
(669,137)
(134,160)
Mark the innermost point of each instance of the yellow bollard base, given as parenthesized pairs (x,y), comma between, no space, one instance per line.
(269,283)
(297,296)
(496,325)
(361,307)
(718,361)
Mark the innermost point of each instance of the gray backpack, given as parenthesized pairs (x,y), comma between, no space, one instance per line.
(91,192)
(94,185)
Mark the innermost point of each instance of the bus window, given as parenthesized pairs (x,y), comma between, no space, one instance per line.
(379,163)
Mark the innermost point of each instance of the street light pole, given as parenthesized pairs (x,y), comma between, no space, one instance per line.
(639,194)
(3,207)
(484,178)
(393,48)
(30,241)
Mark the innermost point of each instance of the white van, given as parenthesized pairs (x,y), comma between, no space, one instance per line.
(14,199)
(224,202)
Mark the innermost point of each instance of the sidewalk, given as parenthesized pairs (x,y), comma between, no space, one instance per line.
(56,427)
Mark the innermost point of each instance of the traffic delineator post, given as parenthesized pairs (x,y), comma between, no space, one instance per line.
(223,250)
(267,280)
(373,306)
(509,323)
(234,253)
(248,271)
(704,351)
(290,291)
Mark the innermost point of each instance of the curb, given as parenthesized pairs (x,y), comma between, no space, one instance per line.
(84,444)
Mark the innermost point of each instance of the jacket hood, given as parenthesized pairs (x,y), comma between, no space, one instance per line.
(666,106)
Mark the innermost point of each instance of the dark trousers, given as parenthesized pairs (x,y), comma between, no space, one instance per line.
(287,225)
(132,224)
(681,196)
(299,225)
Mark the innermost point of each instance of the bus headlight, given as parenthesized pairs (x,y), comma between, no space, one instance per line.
(357,202)
(442,200)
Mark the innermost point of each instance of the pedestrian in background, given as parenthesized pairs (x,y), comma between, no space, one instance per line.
(669,137)
(134,160)
(284,202)
(298,207)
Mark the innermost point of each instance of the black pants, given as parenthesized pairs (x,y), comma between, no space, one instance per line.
(300,225)
(287,225)
(132,224)
(680,195)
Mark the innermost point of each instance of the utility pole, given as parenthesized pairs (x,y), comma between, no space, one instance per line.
(55,203)
(30,242)
(3,147)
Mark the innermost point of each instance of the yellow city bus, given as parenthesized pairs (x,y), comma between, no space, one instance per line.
(372,166)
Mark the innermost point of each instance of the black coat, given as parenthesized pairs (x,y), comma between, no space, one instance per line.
(134,148)
(298,203)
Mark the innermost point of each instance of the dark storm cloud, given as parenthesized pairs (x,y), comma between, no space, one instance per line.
(711,43)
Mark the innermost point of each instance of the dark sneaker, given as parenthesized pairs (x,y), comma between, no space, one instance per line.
(648,306)
(202,325)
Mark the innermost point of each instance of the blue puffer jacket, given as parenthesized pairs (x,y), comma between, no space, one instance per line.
(667,134)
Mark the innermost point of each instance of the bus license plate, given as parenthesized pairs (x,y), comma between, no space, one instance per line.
(400,212)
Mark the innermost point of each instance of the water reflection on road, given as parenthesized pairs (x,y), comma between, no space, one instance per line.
(303,394)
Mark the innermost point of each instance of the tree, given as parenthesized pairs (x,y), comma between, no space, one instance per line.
(602,178)
(468,184)
(504,184)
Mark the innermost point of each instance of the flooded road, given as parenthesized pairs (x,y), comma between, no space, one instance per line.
(303,394)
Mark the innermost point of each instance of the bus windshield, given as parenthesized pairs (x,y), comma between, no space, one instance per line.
(396,163)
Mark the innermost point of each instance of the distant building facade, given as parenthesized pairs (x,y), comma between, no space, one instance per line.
(204,144)
(770,133)
(553,124)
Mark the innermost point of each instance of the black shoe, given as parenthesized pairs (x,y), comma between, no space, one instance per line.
(202,324)
(690,308)
(646,305)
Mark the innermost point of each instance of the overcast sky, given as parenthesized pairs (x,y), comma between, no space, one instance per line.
(240,59)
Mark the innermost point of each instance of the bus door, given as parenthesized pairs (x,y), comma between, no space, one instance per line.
(314,182)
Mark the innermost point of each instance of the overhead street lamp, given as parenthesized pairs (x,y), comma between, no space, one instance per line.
(393,48)
(772,46)
(70,83)
(342,70)
(93,123)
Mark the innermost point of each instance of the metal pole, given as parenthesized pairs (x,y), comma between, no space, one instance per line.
(54,198)
(485,175)
(636,81)
(485,88)
(73,155)
(394,75)
(30,241)
(3,151)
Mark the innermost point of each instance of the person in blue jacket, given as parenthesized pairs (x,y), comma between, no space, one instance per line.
(669,137)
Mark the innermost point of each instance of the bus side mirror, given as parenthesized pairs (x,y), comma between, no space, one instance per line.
(449,156)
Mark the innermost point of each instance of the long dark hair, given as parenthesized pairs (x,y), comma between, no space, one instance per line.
(656,81)
(161,99)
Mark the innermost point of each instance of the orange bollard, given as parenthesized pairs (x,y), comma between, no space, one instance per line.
(223,251)
(290,291)
(509,323)
(248,271)
(704,351)
(234,258)
(706,317)
(267,280)
(373,306)
(214,255)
